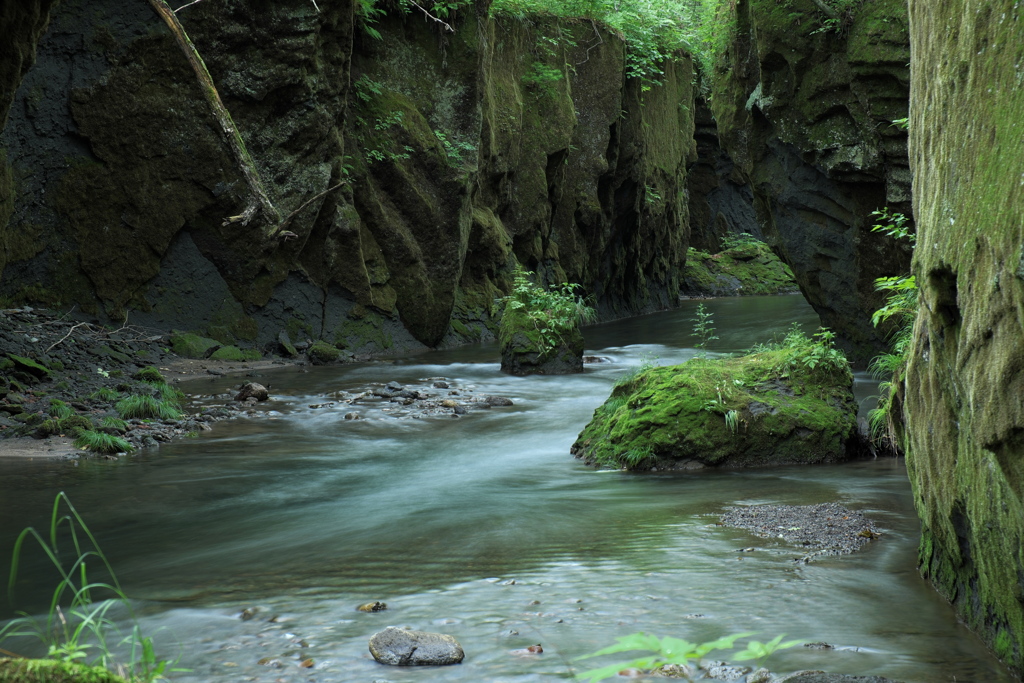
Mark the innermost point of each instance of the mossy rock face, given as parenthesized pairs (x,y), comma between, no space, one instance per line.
(753,411)
(189,345)
(52,671)
(746,269)
(965,379)
(322,353)
(233,353)
(805,113)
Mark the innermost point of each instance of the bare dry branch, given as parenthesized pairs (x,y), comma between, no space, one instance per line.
(431,16)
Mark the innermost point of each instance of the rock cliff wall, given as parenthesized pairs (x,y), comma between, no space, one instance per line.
(804,111)
(452,157)
(965,381)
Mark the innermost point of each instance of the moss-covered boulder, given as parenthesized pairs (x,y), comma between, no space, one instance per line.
(784,405)
(52,671)
(530,350)
(322,353)
(746,268)
(189,345)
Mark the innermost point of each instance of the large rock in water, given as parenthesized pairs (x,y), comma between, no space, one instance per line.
(523,355)
(752,411)
(965,380)
(399,647)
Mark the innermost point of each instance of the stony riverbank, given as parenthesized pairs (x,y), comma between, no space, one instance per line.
(59,376)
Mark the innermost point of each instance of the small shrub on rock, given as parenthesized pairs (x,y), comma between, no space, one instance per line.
(146,407)
(151,375)
(539,331)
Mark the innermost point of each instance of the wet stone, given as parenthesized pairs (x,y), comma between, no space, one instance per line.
(398,647)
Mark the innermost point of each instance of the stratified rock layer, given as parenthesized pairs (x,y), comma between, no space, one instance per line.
(965,382)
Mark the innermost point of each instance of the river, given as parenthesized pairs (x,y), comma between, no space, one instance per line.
(484,527)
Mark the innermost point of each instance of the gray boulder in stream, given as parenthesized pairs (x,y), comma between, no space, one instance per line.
(399,647)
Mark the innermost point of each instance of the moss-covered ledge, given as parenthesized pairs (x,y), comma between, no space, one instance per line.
(52,671)
(743,269)
(788,404)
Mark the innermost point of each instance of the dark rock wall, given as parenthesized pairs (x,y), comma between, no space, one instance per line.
(805,113)
(21,25)
(965,382)
(452,157)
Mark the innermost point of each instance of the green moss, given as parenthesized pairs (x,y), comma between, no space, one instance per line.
(53,671)
(233,353)
(322,353)
(151,375)
(747,269)
(363,328)
(762,409)
(189,345)
(30,366)
(965,452)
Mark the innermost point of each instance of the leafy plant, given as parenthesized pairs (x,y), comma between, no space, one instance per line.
(762,651)
(893,224)
(667,650)
(550,314)
(454,149)
(900,310)
(79,623)
(703,329)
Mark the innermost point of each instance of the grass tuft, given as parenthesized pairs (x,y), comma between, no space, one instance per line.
(100,442)
(146,407)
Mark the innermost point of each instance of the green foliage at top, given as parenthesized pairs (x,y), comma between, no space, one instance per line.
(669,650)
(79,625)
(652,29)
(547,315)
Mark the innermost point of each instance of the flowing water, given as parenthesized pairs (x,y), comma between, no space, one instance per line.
(484,527)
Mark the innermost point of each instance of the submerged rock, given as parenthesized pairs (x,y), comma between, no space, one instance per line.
(375,606)
(398,647)
(784,405)
(823,677)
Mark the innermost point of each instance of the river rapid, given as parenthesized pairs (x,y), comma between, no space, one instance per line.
(484,527)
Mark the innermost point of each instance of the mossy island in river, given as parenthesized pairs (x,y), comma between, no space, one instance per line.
(786,403)
(745,267)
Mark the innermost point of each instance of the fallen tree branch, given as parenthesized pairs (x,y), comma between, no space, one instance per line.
(431,16)
(61,340)
(259,201)
(293,214)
